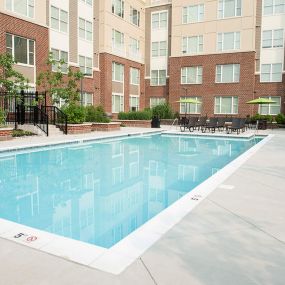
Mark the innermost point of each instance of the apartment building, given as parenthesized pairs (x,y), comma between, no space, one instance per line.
(139,53)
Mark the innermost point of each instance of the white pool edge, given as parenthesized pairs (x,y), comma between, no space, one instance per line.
(124,253)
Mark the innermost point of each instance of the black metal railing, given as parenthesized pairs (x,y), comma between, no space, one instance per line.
(56,117)
(40,119)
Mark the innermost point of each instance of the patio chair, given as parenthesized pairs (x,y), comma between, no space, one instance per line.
(183,122)
(221,123)
(201,122)
(237,125)
(211,126)
(192,123)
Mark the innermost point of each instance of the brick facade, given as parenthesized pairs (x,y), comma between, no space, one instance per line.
(27,30)
(106,81)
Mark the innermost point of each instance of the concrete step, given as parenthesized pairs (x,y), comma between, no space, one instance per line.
(54,131)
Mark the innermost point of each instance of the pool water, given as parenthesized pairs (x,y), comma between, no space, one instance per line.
(100,192)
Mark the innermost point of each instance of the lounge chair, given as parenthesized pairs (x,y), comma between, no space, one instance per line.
(238,124)
(192,123)
(221,123)
(201,122)
(211,126)
(183,122)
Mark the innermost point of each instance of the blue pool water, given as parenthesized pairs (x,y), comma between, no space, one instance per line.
(101,192)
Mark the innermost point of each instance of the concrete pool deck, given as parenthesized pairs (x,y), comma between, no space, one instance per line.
(235,236)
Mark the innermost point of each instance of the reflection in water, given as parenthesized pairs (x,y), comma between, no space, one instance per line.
(99,193)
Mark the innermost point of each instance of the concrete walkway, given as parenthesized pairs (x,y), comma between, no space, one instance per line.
(235,236)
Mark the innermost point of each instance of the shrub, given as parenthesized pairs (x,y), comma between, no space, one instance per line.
(96,114)
(257,116)
(139,115)
(280,119)
(2,117)
(163,111)
(22,133)
(75,114)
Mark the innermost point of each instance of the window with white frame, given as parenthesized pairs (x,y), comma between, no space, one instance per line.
(155,101)
(21,49)
(117,103)
(273,7)
(117,72)
(191,75)
(190,108)
(134,16)
(159,20)
(228,73)
(273,38)
(134,46)
(158,77)
(59,19)
(85,29)
(86,99)
(89,2)
(229,8)
(193,14)
(23,7)
(134,103)
(159,48)
(271,72)
(134,76)
(192,45)
(228,41)
(117,40)
(85,64)
(61,60)
(226,105)
(118,7)
(271,109)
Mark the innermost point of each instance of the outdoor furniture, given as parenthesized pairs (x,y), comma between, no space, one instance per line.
(221,123)
(238,125)
(201,122)
(183,122)
(211,126)
(192,123)
(262,124)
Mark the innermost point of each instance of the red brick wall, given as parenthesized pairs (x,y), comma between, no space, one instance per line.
(244,89)
(28,30)
(106,80)
(155,91)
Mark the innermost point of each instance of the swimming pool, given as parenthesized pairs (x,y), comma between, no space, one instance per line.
(100,192)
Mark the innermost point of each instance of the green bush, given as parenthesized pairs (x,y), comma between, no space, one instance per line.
(280,119)
(257,116)
(163,111)
(96,114)
(139,115)
(75,114)
(22,133)
(2,117)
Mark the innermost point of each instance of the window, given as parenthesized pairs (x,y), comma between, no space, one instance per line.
(158,77)
(226,105)
(227,73)
(272,38)
(159,48)
(193,14)
(191,75)
(134,103)
(271,109)
(85,64)
(192,45)
(59,19)
(272,7)
(154,101)
(118,7)
(134,76)
(117,40)
(22,50)
(134,47)
(190,108)
(86,99)
(23,7)
(61,60)
(85,29)
(117,103)
(89,2)
(228,41)
(229,8)
(134,16)
(159,20)
(271,72)
(117,72)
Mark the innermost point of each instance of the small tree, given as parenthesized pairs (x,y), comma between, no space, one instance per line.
(58,84)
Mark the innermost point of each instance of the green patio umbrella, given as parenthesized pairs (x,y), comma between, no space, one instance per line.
(188,101)
(261,101)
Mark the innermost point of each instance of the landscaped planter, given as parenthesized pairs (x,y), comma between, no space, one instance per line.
(106,127)
(6,133)
(168,122)
(77,128)
(135,123)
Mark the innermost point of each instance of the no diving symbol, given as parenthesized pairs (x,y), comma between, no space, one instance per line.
(31,238)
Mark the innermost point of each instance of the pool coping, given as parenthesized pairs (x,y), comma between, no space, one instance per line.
(124,253)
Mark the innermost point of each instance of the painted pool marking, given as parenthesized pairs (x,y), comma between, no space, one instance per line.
(25,237)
